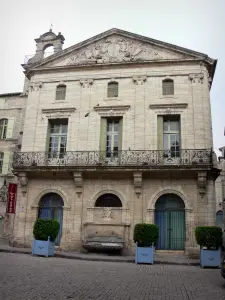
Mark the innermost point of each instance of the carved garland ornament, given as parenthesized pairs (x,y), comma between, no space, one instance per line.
(202,182)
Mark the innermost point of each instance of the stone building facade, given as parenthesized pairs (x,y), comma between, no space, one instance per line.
(117,131)
(12,109)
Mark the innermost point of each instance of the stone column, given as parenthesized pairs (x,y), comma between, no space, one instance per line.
(19,226)
(139,110)
(211,209)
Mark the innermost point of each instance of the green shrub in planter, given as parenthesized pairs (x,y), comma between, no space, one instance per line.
(209,236)
(146,234)
(46,228)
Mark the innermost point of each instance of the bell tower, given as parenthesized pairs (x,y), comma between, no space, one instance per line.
(46,40)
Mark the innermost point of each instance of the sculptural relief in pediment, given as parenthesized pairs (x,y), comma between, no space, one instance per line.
(115,49)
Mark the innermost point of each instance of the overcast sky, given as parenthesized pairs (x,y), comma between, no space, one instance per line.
(194,24)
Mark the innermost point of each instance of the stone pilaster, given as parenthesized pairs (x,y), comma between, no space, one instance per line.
(198,110)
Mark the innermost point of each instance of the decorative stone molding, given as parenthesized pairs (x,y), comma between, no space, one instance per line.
(202,182)
(118,49)
(138,183)
(86,83)
(165,109)
(107,213)
(196,77)
(23,181)
(78,180)
(35,86)
(58,113)
(106,111)
(139,80)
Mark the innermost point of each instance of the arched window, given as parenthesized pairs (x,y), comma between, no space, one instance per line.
(108,200)
(1,161)
(168,87)
(60,92)
(3,128)
(113,89)
(51,207)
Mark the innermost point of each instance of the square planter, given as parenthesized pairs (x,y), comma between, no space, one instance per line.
(43,248)
(210,258)
(144,255)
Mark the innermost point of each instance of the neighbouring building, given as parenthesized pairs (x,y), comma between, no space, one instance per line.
(117,131)
(12,110)
(220,191)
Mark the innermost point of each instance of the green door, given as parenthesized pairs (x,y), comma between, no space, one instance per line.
(170,217)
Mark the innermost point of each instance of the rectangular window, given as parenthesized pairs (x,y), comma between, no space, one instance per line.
(171,136)
(57,137)
(111,137)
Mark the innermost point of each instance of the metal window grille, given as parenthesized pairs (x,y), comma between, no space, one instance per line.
(113,89)
(3,128)
(168,87)
(61,92)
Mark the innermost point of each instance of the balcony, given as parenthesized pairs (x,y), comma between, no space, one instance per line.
(141,159)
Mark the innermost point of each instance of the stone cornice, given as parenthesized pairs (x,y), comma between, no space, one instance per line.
(168,106)
(61,109)
(58,113)
(109,110)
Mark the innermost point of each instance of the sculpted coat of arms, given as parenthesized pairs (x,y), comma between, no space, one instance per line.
(116,49)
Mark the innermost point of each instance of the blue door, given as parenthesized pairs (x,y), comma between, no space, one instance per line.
(51,207)
(170,218)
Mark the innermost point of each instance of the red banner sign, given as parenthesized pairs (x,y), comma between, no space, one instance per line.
(12,191)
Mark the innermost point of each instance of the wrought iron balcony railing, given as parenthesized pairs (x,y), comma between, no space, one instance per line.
(129,158)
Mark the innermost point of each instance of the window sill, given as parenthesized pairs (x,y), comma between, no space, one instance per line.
(59,101)
(112,99)
(168,96)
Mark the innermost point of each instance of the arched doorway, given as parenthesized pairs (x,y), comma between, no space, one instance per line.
(170,217)
(51,207)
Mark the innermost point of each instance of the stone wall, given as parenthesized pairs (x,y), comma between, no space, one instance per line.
(81,219)
(139,121)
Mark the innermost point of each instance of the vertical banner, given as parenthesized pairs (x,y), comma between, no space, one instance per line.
(12,192)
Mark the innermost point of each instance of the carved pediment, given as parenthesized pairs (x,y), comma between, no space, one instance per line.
(116,49)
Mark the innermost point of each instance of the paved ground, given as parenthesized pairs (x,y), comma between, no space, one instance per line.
(25,277)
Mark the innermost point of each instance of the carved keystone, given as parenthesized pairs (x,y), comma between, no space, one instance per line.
(202,181)
(78,180)
(137,183)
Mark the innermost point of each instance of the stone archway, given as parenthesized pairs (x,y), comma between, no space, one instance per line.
(170,218)
(51,207)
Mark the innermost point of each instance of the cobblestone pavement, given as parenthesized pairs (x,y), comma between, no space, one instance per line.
(25,277)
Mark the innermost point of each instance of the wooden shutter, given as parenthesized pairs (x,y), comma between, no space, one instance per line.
(120,142)
(48,136)
(160,132)
(103,131)
(5,165)
(9,133)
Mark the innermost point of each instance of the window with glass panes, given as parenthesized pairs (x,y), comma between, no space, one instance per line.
(168,87)
(1,161)
(113,89)
(171,136)
(58,137)
(60,92)
(112,137)
(3,128)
